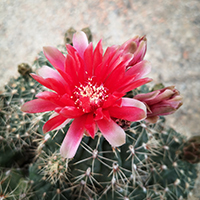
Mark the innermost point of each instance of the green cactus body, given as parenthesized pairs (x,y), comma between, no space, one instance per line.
(147,166)
(13,185)
(17,128)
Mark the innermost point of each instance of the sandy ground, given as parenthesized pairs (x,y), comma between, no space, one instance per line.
(172,28)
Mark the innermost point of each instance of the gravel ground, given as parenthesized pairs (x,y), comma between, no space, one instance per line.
(172,29)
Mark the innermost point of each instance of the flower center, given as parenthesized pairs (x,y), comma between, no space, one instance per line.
(90,96)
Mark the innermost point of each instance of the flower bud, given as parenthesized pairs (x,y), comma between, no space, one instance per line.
(24,69)
(160,102)
(136,46)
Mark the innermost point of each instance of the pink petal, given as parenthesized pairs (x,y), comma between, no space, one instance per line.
(38,105)
(47,95)
(113,133)
(66,100)
(117,72)
(55,57)
(67,121)
(126,45)
(100,114)
(80,42)
(161,109)
(53,97)
(71,68)
(51,79)
(118,61)
(132,102)
(127,79)
(158,96)
(90,125)
(41,81)
(53,123)
(61,125)
(59,86)
(88,58)
(139,53)
(166,94)
(130,109)
(78,63)
(48,72)
(147,96)
(104,69)
(141,69)
(112,98)
(109,53)
(98,55)
(66,77)
(73,138)
(133,85)
(71,112)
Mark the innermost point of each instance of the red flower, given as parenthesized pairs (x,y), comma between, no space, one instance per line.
(160,102)
(88,86)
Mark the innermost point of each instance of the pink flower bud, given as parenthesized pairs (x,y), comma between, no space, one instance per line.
(160,102)
(136,46)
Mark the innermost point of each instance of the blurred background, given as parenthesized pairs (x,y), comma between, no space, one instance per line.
(172,28)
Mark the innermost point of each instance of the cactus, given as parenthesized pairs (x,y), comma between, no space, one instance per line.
(17,128)
(150,165)
(147,166)
(14,185)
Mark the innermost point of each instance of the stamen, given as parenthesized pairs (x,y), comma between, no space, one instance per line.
(89,96)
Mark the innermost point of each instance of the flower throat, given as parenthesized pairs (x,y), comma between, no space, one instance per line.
(89,96)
